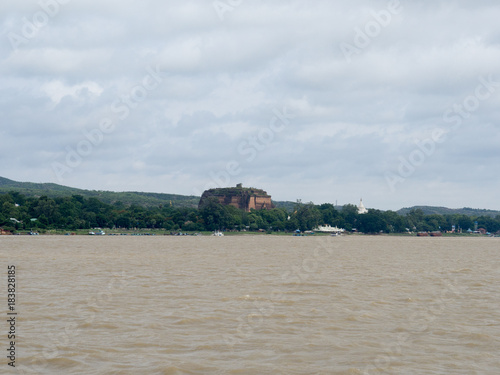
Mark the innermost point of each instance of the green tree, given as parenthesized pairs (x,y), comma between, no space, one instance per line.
(372,222)
(213,214)
(465,222)
(329,214)
(48,209)
(416,219)
(395,222)
(309,217)
(350,215)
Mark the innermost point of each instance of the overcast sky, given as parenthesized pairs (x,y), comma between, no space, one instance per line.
(394,102)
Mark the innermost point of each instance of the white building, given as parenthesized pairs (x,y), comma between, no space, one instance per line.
(361,208)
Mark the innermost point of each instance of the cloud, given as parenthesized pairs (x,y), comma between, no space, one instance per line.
(220,84)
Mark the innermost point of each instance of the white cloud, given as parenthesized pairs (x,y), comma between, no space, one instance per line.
(56,90)
(221,82)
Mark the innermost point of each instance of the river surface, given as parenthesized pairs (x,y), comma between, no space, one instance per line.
(253,305)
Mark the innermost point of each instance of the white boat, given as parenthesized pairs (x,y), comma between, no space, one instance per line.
(218,233)
(327,228)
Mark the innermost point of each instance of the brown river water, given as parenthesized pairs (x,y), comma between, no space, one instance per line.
(252,305)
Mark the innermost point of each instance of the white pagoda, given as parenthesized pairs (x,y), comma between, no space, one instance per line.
(361,208)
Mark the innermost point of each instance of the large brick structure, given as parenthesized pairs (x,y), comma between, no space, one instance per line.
(239,197)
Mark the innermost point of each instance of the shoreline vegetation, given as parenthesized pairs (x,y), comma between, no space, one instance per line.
(21,214)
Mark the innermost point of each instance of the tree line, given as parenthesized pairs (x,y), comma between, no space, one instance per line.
(18,213)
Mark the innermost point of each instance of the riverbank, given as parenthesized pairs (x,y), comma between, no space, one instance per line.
(163,232)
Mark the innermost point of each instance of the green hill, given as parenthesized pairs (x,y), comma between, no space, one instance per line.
(31,189)
(430,210)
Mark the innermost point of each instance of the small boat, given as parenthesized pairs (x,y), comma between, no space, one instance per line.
(436,234)
(327,228)
(422,234)
(218,233)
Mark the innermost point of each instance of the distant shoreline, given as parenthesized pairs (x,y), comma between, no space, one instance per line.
(163,233)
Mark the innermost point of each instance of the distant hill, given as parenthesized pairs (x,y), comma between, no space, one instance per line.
(31,189)
(430,210)
(289,206)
